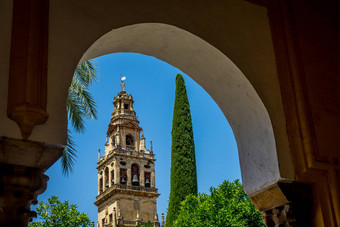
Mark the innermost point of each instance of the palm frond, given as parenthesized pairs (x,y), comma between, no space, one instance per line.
(75,112)
(88,105)
(80,105)
(85,73)
(84,99)
(69,155)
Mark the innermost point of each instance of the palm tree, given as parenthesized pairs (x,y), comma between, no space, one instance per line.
(79,105)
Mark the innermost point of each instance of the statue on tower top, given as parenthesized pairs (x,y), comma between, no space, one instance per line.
(122,83)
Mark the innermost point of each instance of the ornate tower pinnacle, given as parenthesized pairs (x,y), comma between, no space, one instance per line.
(126,172)
(122,84)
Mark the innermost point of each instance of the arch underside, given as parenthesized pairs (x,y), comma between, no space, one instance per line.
(220,77)
(227,49)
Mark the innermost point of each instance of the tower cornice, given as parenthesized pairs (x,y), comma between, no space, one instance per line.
(118,152)
(126,190)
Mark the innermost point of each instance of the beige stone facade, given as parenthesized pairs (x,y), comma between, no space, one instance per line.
(126,172)
(272,66)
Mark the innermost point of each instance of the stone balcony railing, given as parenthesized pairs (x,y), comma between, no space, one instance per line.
(126,187)
(135,188)
(127,222)
(130,151)
(122,222)
(122,111)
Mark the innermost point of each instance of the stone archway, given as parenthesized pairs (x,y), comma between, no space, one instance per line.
(220,77)
(253,110)
(272,46)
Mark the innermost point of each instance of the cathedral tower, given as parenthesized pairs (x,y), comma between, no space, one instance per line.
(127,191)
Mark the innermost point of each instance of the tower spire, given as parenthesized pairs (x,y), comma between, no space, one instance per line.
(122,84)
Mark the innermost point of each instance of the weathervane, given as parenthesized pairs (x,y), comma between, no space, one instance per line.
(122,78)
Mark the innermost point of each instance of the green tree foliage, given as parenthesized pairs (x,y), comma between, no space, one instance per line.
(183,180)
(79,105)
(227,205)
(56,213)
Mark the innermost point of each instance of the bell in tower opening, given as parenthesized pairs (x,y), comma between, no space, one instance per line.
(135,175)
(126,172)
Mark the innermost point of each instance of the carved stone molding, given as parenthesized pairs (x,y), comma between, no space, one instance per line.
(27,86)
(22,178)
(285,204)
(27,116)
(280,216)
(29,153)
(19,188)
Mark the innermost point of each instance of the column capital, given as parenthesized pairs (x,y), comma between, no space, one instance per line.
(285,204)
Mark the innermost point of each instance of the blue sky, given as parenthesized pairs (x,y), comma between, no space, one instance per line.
(152,85)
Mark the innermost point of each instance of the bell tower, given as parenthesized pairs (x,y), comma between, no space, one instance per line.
(127,191)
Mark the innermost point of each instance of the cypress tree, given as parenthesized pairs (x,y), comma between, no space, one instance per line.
(183,179)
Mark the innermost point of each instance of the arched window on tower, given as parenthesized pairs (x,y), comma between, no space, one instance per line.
(129,141)
(107,177)
(101,185)
(123,176)
(113,141)
(135,175)
(112,177)
(147,179)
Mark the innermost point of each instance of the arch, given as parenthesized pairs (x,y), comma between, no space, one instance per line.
(101,188)
(129,140)
(106,177)
(112,174)
(147,179)
(242,31)
(135,174)
(220,77)
(123,176)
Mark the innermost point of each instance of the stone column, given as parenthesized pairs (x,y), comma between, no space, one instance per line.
(163,222)
(20,187)
(110,177)
(153,179)
(104,188)
(106,177)
(141,176)
(117,174)
(23,162)
(136,141)
(27,86)
(99,183)
(129,176)
(22,178)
